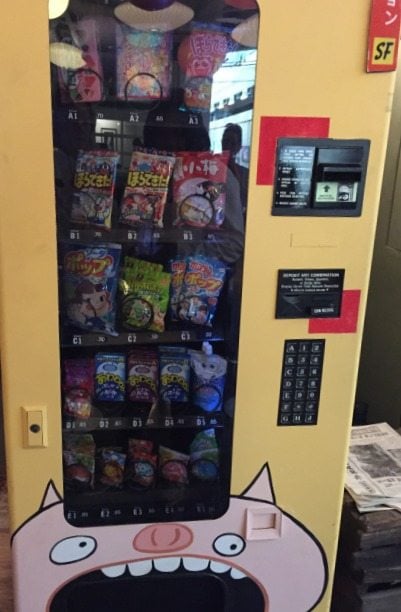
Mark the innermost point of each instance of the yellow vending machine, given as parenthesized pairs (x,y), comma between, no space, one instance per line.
(188,202)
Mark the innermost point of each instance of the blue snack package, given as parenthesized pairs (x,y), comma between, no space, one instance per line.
(208,379)
(174,374)
(110,377)
(90,285)
(201,287)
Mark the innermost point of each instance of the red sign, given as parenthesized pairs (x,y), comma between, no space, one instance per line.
(384,34)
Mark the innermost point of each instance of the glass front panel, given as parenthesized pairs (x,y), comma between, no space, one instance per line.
(152,115)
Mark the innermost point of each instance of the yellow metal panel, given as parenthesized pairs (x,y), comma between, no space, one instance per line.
(28,264)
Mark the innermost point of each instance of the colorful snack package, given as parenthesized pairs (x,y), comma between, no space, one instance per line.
(173,466)
(86,83)
(111,463)
(200,55)
(140,268)
(174,374)
(143,64)
(208,378)
(141,464)
(78,387)
(143,376)
(177,270)
(199,188)
(146,296)
(90,285)
(204,456)
(201,288)
(79,461)
(110,377)
(94,182)
(145,194)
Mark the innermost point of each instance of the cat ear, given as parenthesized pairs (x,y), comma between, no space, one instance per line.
(261,487)
(50,497)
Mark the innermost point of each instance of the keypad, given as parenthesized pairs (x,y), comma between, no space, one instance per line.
(300,382)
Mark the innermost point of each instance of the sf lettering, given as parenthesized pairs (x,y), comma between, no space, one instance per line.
(384,51)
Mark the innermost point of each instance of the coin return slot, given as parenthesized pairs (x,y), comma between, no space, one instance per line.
(263,524)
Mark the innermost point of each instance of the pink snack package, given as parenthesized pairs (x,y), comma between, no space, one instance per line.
(199,186)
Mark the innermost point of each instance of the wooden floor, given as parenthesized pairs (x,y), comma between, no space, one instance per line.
(6,604)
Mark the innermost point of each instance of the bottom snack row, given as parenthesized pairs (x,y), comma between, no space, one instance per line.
(139,464)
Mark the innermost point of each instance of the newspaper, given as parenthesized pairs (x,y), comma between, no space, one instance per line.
(373,476)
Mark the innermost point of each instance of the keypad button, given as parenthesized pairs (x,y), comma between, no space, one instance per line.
(302,360)
(299,406)
(286,407)
(289,372)
(300,383)
(285,419)
(302,371)
(291,347)
(304,347)
(290,360)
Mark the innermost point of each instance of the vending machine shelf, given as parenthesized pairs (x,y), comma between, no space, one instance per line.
(174,336)
(149,235)
(116,423)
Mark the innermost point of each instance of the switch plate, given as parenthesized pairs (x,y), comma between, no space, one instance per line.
(34,426)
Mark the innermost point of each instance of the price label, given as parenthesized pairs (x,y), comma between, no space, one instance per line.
(101,339)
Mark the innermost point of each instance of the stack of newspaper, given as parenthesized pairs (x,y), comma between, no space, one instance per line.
(373,476)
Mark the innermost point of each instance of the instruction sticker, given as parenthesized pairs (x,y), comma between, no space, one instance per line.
(309,293)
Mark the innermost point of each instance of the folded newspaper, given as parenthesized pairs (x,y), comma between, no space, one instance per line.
(373,476)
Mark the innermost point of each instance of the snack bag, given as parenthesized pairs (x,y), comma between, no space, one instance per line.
(143,376)
(141,464)
(79,461)
(204,456)
(110,377)
(146,192)
(208,379)
(174,374)
(143,64)
(173,466)
(199,188)
(177,270)
(111,467)
(201,288)
(145,297)
(94,182)
(200,55)
(90,285)
(86,83)
(78,387)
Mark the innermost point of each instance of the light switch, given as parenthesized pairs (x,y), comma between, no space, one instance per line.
(34,427)
(263,523)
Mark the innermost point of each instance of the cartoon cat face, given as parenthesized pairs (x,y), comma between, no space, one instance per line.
(255,558)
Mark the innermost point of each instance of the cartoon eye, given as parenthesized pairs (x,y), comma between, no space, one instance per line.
(72,549)
(229,545)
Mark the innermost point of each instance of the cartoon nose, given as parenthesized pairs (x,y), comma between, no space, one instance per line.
(163,538)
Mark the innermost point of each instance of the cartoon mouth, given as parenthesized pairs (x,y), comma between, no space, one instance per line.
(165,584)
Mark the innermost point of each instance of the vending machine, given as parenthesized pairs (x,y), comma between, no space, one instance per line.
(189,196)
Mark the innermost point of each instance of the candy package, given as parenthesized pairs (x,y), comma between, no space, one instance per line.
(111,464)
(90,285)
(110,377)
(143,375)
(174,374)
(200,55)
(141,464)
(86,83)
(78,387)
(208,379)
(204,456)
(177,269)
(173,466)
(94,182)
(145,194)
(79,461)
(201,288)
(145,297)
(199,188)
(143,64)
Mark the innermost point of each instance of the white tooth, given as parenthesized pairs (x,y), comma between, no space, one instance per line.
(236,574)
(140,568)
(219,568)
(193,564)
(113,571)
(167,564)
